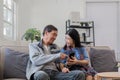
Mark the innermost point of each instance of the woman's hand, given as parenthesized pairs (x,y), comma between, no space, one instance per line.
(65,70)
(72,61)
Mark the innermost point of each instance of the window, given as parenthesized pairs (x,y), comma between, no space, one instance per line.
(9,19)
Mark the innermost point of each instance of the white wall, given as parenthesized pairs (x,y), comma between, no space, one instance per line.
(118,32)
(101,0)
(39,13)
(105,17)
(119,27)
(110,34)
(24,16)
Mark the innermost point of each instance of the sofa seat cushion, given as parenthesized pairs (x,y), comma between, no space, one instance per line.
(15,64)
(103,60)
(14,79)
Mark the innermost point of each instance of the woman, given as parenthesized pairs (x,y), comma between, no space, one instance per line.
(77,55)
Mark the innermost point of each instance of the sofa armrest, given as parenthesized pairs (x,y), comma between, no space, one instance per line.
(1,65)
(0,68)
(16,49)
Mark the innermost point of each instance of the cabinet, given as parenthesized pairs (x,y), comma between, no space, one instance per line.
(85,29)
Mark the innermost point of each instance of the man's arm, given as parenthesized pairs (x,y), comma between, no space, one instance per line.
(38,57)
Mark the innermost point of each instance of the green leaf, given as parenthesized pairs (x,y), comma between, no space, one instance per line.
(32,34)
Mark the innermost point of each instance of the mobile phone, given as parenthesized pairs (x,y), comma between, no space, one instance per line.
(71,55)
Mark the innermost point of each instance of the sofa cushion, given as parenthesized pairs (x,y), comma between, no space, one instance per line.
(14,79)
(15,64)
(103,60)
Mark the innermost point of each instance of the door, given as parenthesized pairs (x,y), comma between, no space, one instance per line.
(104,15)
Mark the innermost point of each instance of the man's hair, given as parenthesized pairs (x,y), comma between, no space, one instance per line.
(49,28)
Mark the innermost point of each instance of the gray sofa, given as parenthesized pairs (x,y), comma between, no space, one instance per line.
(13,61)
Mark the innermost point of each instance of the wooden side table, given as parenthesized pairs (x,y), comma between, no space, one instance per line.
(108,75)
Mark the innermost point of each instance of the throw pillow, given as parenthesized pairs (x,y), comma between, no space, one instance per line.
(103,60)
(15,64)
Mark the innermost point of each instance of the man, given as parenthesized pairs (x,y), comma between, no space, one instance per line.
(41,65)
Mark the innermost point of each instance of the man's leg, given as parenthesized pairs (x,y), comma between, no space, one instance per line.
(72,75)
(41,75)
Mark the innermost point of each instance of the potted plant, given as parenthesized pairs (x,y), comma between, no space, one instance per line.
(118,65)
(32,34)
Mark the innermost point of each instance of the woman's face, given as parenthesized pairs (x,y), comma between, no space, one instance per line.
(69,41)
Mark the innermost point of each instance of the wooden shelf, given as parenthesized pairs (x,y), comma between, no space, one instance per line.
(76,26)
(89,28)
(86,42)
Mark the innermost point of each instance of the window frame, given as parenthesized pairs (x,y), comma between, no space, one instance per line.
(12,23)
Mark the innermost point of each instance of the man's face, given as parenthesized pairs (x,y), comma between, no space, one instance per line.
(51,36)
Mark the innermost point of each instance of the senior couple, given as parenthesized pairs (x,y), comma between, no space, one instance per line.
(43,54)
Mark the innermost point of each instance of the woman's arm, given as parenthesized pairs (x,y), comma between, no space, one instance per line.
(84,54)
(82,57)
(63,68)
(74,61)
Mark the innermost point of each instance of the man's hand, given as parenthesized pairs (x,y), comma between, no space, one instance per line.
(65,70)
(63,56)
